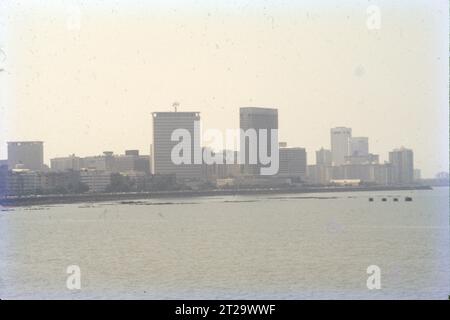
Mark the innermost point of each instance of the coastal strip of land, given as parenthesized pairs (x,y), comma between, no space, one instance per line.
(100,197)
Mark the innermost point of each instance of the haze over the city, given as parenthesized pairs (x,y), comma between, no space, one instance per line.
(84,78)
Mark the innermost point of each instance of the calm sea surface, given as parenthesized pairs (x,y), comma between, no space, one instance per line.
(307,246)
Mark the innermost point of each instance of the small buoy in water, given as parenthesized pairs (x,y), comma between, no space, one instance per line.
(384,199)
(408,199)
(395,199)
(370,199)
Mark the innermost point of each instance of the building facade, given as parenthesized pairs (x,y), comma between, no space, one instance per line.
(253,119)
(340,144)
(292,163)
(26,155)
(96,180)
(402,160)
(130,161)
(319,174)
(71,162)
(23,182)
(323,157)
(164,125)
(359,146)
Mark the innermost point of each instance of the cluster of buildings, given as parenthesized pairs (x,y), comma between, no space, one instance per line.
(24,172)
(348,161)
(236,169)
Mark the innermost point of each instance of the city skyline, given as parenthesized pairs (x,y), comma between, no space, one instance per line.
(383,157)
(175,120)
(348,154)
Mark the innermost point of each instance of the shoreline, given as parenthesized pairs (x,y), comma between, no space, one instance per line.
(101,197)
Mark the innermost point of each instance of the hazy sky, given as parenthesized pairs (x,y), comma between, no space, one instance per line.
(85,78)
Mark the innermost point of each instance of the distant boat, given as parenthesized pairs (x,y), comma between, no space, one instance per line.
(408,199)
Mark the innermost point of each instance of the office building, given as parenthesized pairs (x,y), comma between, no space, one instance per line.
(26,154)
(103,162)
(292,163)
(62,182)
(71,162)
(253,119)
(164,124)
(131,161)
(359,146)
(383,174)
(340,144)
(23,182)
(323,157)
(402,161)
(96,180)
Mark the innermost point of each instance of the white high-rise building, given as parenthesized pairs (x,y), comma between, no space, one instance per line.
(164,124)
(340,144)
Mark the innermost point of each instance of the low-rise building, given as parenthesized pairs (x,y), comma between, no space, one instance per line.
(130,161)
(96,180)
(71,162)
(23,182)
(62,182)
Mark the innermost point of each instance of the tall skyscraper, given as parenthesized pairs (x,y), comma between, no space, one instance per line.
(359,146)
(340,144)
(402,161)
(164,124)
(27,154)
(323,157)
(257,119)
